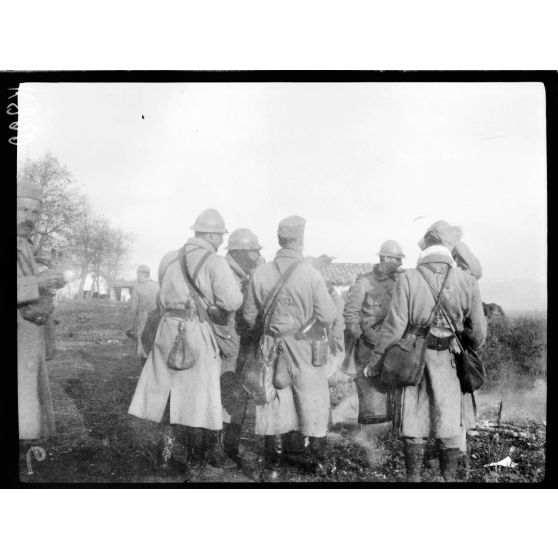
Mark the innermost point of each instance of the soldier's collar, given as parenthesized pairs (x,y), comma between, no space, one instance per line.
(289,253)
(195,241)
(436,254)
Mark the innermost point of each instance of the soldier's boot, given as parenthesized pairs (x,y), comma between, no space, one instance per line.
(216,456)
(414,456)
(318,456)
(231,441)
(272,458)
(196,447)
(449,458)
(293,447)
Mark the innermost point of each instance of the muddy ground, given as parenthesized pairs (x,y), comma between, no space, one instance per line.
(94,374)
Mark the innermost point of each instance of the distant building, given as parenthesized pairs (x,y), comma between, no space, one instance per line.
(121,290)
(341,275)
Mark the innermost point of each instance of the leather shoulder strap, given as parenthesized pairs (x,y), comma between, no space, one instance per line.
(447,315)
(191,280)
(272,297)
(437,296)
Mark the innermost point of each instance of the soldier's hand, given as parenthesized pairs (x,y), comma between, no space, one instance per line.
(354,330)
(50,279)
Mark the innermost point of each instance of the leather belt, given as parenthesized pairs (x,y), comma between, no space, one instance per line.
(419,331)
(438,343)
(183,313)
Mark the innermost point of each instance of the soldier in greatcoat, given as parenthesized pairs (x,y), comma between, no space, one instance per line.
(144,301)
(34,306)
(243,257)
(304,404)
(368,301)
(365,310)
(436,406)
(194,394)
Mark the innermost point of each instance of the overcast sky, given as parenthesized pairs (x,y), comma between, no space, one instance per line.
(362,162)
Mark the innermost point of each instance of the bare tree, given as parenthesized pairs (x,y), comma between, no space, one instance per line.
(62,202)
(98,247)
(121,243)
(88,240)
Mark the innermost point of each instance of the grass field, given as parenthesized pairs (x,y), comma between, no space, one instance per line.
(95,371)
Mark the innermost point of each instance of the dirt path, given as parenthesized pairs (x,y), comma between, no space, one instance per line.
(93,377)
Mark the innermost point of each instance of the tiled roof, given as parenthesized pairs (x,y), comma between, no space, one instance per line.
(340,274)
(344,273)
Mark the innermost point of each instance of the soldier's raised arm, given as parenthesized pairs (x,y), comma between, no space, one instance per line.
(466,260)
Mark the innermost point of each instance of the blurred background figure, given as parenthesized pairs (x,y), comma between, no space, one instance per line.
(144,301)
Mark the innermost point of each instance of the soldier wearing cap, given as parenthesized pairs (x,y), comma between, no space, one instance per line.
(34,306)
(435,407)
(144,301)
(304,404)
(193,396)
(243,256)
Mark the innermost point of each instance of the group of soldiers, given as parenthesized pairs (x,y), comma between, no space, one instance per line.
(286,303)
(207,404)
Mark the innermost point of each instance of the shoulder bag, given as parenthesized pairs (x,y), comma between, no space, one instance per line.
(469,366)
(403,363)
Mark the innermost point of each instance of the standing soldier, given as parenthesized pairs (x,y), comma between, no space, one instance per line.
(144,301)
(194,284)
(243,257)
(34,306)
(365,310)
(302,300)
(368,302)
(436,406)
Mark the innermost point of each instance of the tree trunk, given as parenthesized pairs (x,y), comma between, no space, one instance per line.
(84,271)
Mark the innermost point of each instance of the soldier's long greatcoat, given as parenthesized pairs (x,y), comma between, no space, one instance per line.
(303,405)
(144,300)
(195,394)
(36,416)
(436,407)
(367,305)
